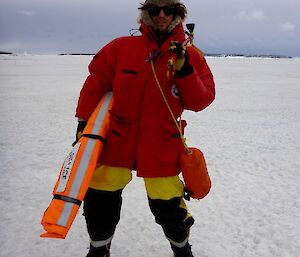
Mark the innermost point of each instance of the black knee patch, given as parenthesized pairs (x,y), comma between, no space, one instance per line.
(172,218)
(102,213)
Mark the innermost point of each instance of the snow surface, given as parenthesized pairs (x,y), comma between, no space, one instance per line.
(250,136)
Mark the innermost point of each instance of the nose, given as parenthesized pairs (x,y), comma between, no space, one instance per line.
(161,13)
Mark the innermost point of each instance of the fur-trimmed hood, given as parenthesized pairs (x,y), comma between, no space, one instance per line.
(146,18)
(155,2)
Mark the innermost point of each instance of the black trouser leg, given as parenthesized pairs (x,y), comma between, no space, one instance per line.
(172,218)
(102,213)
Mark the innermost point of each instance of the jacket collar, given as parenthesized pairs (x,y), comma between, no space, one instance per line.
(153,41)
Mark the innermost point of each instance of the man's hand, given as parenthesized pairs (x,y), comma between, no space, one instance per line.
(80,127)
(181,65)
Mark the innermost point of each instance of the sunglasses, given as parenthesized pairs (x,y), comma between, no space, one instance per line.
(168,10)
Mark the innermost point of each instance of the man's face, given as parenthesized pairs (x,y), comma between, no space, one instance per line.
(162,16)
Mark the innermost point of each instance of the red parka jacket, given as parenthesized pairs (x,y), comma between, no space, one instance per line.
(142,134)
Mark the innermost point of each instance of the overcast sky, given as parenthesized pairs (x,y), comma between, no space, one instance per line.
(84,26)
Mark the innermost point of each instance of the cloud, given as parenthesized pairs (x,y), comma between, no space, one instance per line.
(26,13)
(287,26)
(288,29)
(251,15)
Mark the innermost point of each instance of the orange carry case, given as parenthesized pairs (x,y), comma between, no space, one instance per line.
(76,173)
(195,174)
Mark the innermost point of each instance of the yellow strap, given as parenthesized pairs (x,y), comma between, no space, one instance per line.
(170,109)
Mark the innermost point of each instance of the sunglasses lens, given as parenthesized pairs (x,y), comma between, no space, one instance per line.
(169,10)
(155,10)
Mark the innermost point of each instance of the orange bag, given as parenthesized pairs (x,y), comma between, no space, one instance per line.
(194,172)
(76,173)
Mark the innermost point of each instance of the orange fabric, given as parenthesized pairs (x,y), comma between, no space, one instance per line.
(195,174)
(50,218)
(76,174)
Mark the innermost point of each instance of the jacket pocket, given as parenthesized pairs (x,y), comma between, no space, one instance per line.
(117,147)
(128,90)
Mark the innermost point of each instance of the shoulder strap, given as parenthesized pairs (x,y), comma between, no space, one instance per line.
(178,126)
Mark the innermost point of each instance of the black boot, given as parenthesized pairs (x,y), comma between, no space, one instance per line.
(99,251)
(185,251)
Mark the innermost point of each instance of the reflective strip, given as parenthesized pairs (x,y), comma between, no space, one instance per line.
(181,244)
(65,214)
(84,163)
(100,117)
(101,243)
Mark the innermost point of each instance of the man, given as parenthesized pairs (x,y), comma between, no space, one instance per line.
(142,135)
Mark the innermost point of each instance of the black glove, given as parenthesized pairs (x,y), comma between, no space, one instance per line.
(181,65)
(80,127)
